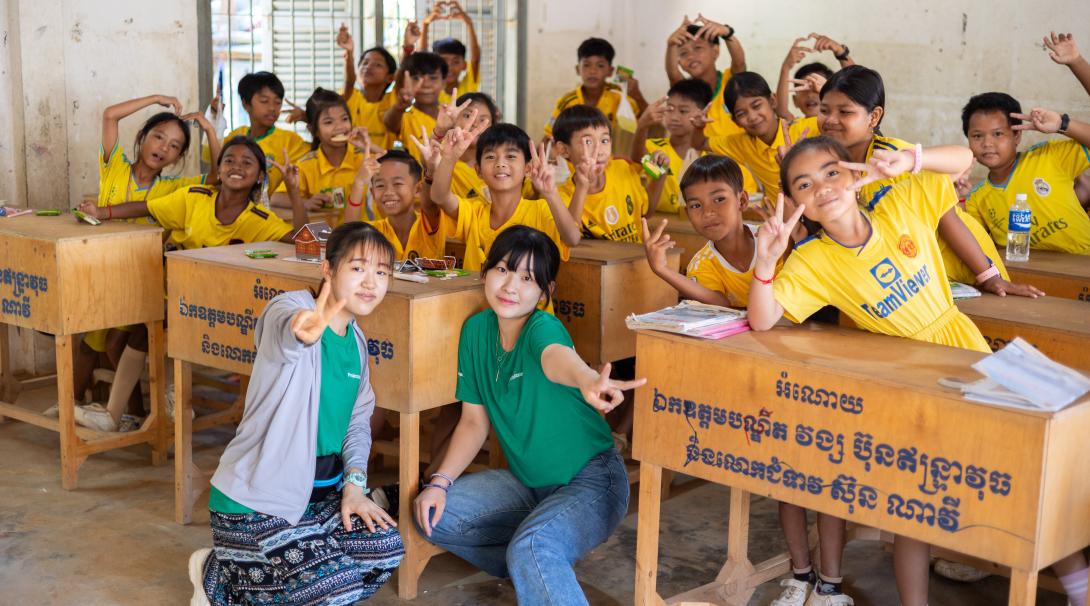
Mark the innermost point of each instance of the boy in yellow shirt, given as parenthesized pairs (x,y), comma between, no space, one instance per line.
(594,67)
(1046,172)
(417,105)
(684,101)
(368,105)
(606,195)
(693,49)
(462,76)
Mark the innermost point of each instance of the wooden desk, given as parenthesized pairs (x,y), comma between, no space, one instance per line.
(62,277)
(1060,328)
(855,425)
(601,284)
(412,344)
(1058,274)
(329,215)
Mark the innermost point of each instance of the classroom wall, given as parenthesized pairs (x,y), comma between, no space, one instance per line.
(933,55)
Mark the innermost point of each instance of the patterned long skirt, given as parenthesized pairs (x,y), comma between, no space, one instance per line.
(260,559)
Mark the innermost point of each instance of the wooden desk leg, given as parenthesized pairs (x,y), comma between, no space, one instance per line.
(1023,588)
(157,370)
(7,382)
(417,550)
(184,470)
(70,457)
(737,575)
(647,535)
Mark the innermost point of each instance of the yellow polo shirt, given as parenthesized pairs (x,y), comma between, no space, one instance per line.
(607,103)
(367,114)
(423,241)
(117,186)
(751,152)
(723,124)
(474,227)
(189,216)
(615,212)
(712,271)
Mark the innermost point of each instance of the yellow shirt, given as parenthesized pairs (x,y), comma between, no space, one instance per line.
(608,103)
(273,143)
(317,175)
(367,114)
(189,215)
(615,212)
(1046,174)
(466,183)
(894,284)
(956,269)
(474,227)
(751,152)
(421,243)
(116,185)
(411,123)
(723,124)
(470,82)
(712,271)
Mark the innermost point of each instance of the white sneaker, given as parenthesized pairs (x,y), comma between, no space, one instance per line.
(196,576)
(839,599)
(95,416)
(956,571)
(794,593)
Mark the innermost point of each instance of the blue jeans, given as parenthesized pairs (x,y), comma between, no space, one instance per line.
(534,535)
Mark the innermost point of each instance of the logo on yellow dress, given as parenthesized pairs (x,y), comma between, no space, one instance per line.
(907,246)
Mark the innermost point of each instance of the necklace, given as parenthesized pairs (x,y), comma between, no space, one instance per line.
(501,356)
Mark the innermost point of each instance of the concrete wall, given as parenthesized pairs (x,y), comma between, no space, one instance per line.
(932,55)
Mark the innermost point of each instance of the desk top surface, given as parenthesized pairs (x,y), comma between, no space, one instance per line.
(1052,262)
(66,226)
(1048,312)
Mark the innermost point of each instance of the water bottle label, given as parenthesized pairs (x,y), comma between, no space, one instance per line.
(1019,220)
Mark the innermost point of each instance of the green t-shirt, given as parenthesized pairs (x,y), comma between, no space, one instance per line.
(547,431)
(337,397)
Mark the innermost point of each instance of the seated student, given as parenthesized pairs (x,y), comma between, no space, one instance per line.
(417,104)
(196,217)
(808,79)
(290,516)
(262,96)
(764,135)
(327,171)
(566,488)
(693,49)
(852,108)
(835,265)
(605,194)
(368,104)
(466,183)
(685,100)
(721,271)
(595,66)
(505,157)
(462,77)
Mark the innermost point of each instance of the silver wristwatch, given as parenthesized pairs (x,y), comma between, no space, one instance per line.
(358,479)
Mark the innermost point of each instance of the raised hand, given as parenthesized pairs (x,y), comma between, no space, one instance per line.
(587,172)
(711,30)
(1039,119)
(290,172)
(788,143)
(882,164)
(825,43)
(412,34)
(1062,48)
(344,39)
(774,235)
(368,166)
(605,394)
(654,114)
(294,113)
(681,35)
(456,11)
(359,138)
(701,119)
(436,13)
(812,83)
(430,152)
(309,324)
(407,91)
(199,118)
(449,113)
(797,53)
(539,171)
(172,102)
(655,245)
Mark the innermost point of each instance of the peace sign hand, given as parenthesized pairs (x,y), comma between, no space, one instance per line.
(774,235)
(701,119)
(588,171)
(540,173)
(605,394)
(407,91)
(450,113)
(654,114)
(289,171)
(1040,119)
(1062,48)
(788,143)
(797,53)
(882,164)
(429,149)
(309,324)
(655,245)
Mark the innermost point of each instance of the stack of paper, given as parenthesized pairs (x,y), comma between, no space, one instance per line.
(959,290)
(1020,376)
(693,319)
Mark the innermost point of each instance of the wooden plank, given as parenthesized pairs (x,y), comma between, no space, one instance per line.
(1058,274)
(647,541)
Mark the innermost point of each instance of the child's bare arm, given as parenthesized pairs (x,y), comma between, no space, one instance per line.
(656,244)
(115,113)
(344,41)
(1063,50)
(474,45)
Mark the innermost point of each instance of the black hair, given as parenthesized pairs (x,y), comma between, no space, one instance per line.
(251,84)
(404,157)
(822,143)
(449,46)
(343,241)
(502,134)
(520,242)
(814,68)
(575,119)
(862,85)
(423,64)
(259,154)
(712,167)
(695,28)
(693,89)
(990,102)
(744,84)
(482,98)
(596,47)
(391,63)
(163,118)
(321,100)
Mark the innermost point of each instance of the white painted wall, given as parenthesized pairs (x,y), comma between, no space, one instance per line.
(932,55)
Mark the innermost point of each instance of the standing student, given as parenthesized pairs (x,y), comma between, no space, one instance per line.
(807,98)
(693,49)
(417,106)
(368,104)
(594,67)
(462,76)
(566,488)
(289,507)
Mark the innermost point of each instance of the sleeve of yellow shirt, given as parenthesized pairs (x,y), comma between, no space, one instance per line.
(798,290)
(271,228)
(170,211)
(1069,156)
(543,220)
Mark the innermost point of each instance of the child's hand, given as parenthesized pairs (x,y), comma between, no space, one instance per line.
(883,164)
(701,120)
(456,11)
(172,102)
(290,173)
(344,40)
(1062,48)
(587,171)
(450,113)
(712,30)
(354,502)
(412,34)
(655,245)
(430,152)
(605,394)
(407,91)
(309,324)
(998,286)
(788,143)
(774,236)
(359,138)
(368,167)
(1039,119)
(92,209)
(962,185)
(681,35)
(825,43)
(797,53)
(812,83)
(199,118)
(295,113)
(540,173)
(436,13)
(660,158)
(429,499)
(654,114)
(633,85)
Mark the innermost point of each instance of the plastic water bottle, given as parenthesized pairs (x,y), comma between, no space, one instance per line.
(1019,221)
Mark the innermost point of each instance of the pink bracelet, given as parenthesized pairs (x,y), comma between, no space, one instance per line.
(987,274)
(917,164)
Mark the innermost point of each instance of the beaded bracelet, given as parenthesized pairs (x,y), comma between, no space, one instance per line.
(430,485)
(450,480)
